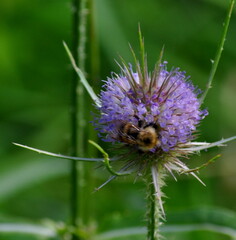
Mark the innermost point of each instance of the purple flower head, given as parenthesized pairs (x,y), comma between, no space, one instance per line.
(154,113)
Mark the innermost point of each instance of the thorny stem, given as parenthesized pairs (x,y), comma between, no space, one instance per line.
(82,181)
(77,115)
(153,210)
(74,104)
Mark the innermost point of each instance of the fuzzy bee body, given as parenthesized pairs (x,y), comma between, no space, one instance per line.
(144,137)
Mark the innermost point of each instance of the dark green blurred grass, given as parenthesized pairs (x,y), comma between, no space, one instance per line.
(34,104)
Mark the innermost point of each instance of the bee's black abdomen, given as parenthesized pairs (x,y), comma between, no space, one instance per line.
(147,140)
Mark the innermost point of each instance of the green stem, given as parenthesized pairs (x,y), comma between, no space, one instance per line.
(77,111)
(82,204)
(74,105)
(106,161)
(215,62)
(93,79)
(153,211)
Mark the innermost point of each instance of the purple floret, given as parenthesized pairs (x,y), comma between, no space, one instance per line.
(171,103)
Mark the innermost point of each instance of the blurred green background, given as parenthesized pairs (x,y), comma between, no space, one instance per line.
(34,108)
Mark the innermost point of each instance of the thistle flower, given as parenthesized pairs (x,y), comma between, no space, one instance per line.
(153,117)
(164,102)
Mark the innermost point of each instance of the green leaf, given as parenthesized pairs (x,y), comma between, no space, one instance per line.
(28,174)
(25,228)
(204,219)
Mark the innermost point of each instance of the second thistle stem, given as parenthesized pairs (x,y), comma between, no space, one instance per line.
(77,112)
(74,105)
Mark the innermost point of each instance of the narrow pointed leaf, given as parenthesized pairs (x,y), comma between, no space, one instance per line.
(82,77)
(215,62)
(59,155)
(209,145)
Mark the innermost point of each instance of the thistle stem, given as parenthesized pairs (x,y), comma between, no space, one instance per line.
(77,111)
(74,105)
(153,211)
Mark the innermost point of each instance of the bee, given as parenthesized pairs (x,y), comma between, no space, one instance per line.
(145,137)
